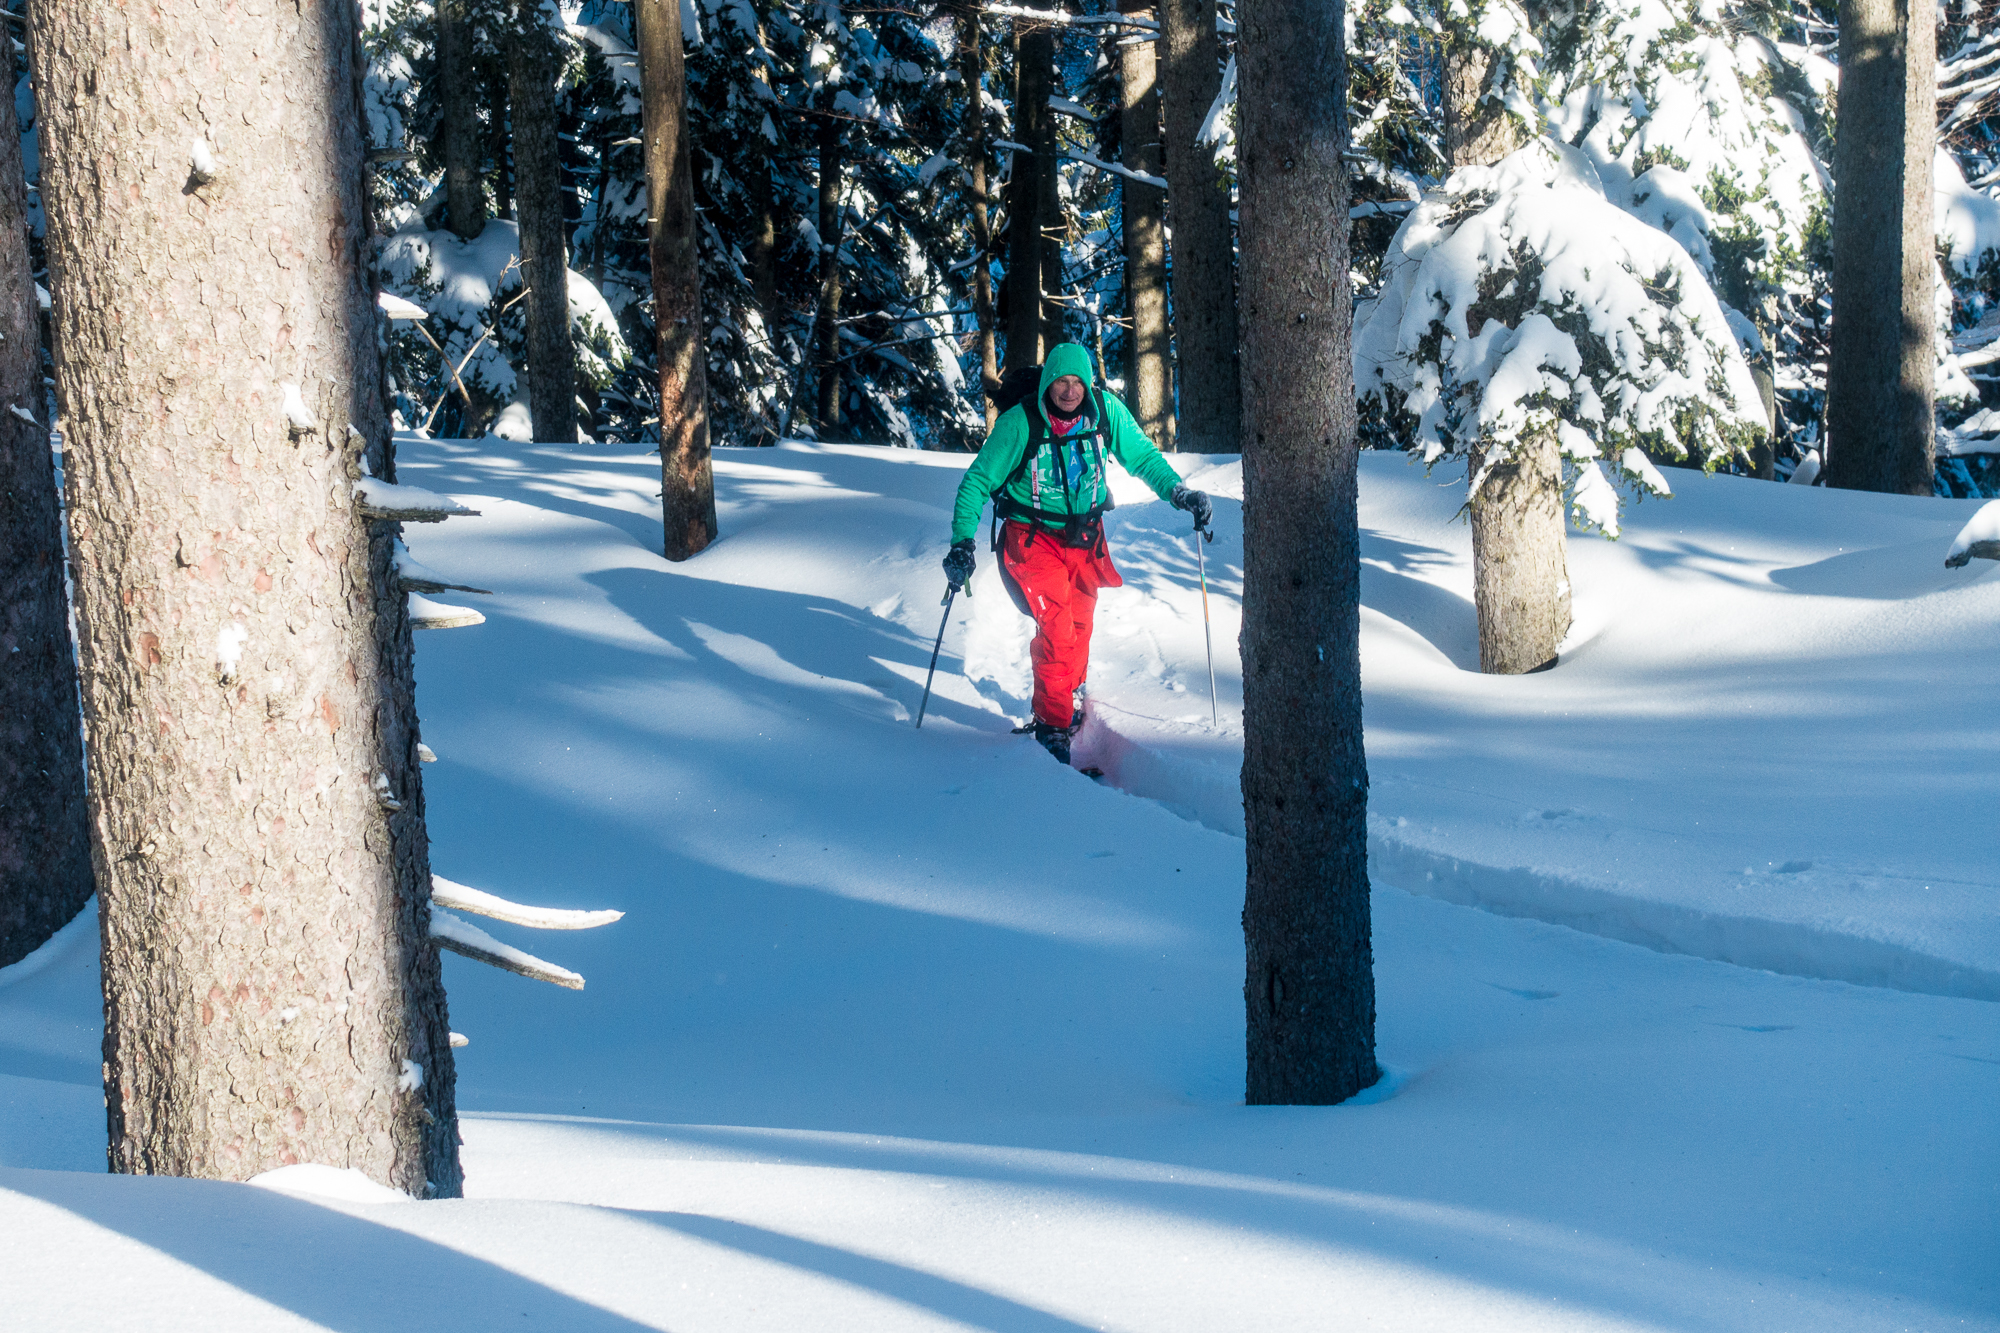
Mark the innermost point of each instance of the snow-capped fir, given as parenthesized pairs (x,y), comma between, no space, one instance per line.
(1517,300)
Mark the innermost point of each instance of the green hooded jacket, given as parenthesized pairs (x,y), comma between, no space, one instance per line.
(1049,481)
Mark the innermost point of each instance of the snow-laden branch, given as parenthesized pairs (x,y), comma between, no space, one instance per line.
(426,614)
(1088,160)
(463,938)
(405,504)
(412,575)
(1062,20)
(461,898)
(1978,539)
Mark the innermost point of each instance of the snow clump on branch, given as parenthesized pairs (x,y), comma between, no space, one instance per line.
(1517,302)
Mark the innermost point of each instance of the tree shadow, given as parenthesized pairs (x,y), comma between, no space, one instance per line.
(340,1271)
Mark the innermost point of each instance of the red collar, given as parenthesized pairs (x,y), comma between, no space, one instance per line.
(1063,425)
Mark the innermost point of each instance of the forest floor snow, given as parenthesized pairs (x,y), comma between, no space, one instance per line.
(917,1030)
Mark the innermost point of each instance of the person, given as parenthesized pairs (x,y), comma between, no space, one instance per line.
(1043,467)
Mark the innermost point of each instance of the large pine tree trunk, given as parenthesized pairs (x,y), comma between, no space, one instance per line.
(687,490)
(1205,334)
(1880,413)
(1034,67)
(826,332)
(1309,984)
(271,991)
(458,123)
(972,76)
(45,874)
(534,60)
(1520,569)
(1149,386)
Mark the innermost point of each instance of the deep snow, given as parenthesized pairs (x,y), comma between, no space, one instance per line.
(917,1030)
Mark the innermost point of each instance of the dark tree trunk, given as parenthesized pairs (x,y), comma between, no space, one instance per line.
(1309,987)
(763,254)
(458,125)
(1880,414)
(271,990)
(972,74)
(687,489)
(1034,67)
(1205,334)
(534,60)
(499,142)
(1149,382)
(826,331)
(45,874)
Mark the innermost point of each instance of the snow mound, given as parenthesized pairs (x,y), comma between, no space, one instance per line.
(313,1181)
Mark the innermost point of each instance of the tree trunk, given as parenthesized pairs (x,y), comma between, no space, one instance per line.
(271,991)
(458,99)
(687,479)
(1476,132)
(1309,984)
(826,332)
(1205,332)
(763,254)
(1880,417)
(45,874)
(1026,245)
(972,74)
(1149,383)
(1519,543)
(1520,569)
(499,143)
(534,61)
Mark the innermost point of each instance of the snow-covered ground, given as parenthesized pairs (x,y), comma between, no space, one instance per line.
(916,1030)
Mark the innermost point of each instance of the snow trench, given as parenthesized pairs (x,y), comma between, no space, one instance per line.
(1210,794)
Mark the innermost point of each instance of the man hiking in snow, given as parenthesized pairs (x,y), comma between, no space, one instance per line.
(1043,466)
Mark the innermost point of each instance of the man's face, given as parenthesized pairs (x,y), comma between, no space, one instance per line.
(1067,393)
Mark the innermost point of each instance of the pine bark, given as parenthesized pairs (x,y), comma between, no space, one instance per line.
(271,991)
(687,478)
(1204,292)
(1477,132)
(1880,413)
(1149,376)
(458,125)
(826,332)
(972,76)
(1309,987)
(534,61)
(1027,261)
(45,876)
(1520,559)
(1520,564)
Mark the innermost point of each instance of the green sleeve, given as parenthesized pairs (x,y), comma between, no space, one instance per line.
(1135,453)
(998,458)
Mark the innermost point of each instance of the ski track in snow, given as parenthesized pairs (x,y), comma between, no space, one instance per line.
(913,1030)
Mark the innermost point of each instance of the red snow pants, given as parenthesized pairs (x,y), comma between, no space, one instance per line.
(1060,585)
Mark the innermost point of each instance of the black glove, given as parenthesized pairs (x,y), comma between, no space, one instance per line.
(1194,502)
(958,563)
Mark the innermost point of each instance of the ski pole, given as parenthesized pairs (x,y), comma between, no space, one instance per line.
(1202,534)
(951,591)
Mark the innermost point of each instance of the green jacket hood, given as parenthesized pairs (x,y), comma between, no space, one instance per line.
(1063,359)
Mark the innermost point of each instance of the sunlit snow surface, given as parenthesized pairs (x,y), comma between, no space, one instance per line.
(916,1030)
